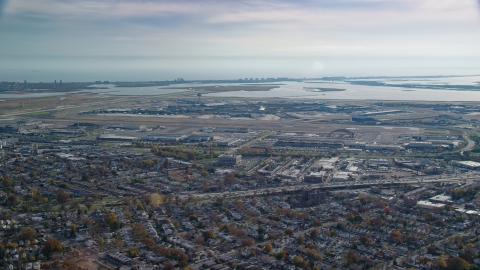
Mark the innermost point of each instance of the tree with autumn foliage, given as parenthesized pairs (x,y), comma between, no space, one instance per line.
(112,221)
(51,246)
(27,233)
(139,231)
(268,248)
(396,236)
(289,232)
(352,256)
(457,263)
(314,233)
(62,197)
(441,264)
(248,242)
(209,235)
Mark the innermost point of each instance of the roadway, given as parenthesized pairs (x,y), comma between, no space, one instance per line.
(470,145)
(332,185)
(247,144)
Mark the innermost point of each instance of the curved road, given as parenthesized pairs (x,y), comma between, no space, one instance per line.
(470,145)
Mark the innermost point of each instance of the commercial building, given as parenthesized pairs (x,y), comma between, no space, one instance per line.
(114,137)
(316,177)
(165,137)
(421,145)
(356,145)
(472,165)
(430,206)
(307,143)
(232,130)
(441,199)
(341,177)
(381,162)
(125,127)
(383,147)
(229,159)
(229,142)
(198,138)
(410,201)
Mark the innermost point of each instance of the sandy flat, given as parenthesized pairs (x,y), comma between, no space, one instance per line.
(270,117)
(143,115)
(206,116)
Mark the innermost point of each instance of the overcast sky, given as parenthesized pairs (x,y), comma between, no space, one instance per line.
(143,39)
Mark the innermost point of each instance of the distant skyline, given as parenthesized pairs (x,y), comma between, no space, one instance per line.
(87,40)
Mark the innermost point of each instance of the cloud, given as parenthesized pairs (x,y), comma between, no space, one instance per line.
(3,3)
(125,8)
(312,14)
(227,29)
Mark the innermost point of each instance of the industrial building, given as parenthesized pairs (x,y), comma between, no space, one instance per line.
(341,177)
(441,199)
(316,177)
(229,142)
(229,159)
(312,143)
(198,138)
(430,206)
(421,145)
(165,138)
(383,147)
(232,130)
(114,137)
(472,165)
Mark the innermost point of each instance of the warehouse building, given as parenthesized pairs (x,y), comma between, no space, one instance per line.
(471,165)
(430,206)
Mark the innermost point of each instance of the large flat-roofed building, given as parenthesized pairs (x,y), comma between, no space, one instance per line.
(316,177)
(232,130)
(229,159)
(165,137)
(472,165)
(309,143)
(430,206)
(126,127)
(356,145)
(198,138)
(341,176)
(383,147)
(421,145)
(229,142)
(114,137)
(441,199)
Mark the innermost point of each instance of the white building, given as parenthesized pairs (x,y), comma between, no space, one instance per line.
(472,165)
(430,206)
